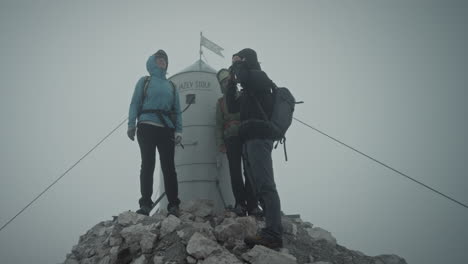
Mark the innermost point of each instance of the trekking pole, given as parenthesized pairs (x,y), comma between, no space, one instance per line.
(158,200)
(185,109)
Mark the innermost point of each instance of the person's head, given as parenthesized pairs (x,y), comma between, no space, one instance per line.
(161,59)
(223,76)
(236,58)
(249,57)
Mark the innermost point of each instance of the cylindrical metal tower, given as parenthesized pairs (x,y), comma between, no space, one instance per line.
(202,171)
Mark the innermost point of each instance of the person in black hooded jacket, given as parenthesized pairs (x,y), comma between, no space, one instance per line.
(255,103)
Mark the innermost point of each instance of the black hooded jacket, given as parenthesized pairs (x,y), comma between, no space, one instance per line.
(256,86)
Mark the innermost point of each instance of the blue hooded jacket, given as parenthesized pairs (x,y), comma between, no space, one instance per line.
(159,95)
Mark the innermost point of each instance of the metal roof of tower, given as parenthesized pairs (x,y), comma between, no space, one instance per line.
(198,66)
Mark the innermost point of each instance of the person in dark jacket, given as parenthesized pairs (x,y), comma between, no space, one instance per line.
(255,104)
(228,141)
(154,98)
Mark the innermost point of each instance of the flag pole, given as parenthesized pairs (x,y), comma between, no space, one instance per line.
(199,63)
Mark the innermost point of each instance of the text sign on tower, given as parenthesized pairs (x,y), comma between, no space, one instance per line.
(188,85)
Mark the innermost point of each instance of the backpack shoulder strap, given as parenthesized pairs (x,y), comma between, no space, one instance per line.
(173,94)
(265,116)
(274,88)
(145,86)
(172,84)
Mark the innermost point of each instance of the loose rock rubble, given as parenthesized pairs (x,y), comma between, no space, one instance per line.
(201,236)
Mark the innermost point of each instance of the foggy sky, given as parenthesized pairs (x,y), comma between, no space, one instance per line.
(387,77)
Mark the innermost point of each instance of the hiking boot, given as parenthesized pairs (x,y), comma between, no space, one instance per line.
(173,210)
(273,243)
(144,210)
(256,212)
(239,210)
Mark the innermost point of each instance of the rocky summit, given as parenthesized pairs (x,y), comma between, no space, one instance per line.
(201,236)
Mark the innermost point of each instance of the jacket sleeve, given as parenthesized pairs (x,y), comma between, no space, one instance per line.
(178,126)
(219,124)
(136,103)
(232,100)
(242,73)
(256,81)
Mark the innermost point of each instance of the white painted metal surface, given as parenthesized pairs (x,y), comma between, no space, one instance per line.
(202,171)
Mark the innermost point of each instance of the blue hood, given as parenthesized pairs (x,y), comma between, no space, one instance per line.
(153,69)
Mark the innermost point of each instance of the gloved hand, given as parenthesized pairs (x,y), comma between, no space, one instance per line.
(177,138)
(131,133)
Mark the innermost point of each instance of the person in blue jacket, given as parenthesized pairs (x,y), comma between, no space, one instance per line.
(155,108)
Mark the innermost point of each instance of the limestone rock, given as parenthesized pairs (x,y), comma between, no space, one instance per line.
(71,261)
(158,217)
(169,225)
(318,233)
(105,260)
(198,208)
(201,247)
(187,231)
(222,258)
(289,227)
(263,255)
(187,217)
(307,224)
(389,259)
(140,260)
(115,241)
(236,228)
(134,233)
(158,260)
(129,218)
(249,224)
(200,237)
(191,260)
(147,242)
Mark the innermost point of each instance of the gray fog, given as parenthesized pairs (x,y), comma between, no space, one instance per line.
(386,77)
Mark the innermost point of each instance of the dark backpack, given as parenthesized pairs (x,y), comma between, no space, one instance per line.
(171,114)
(282,113)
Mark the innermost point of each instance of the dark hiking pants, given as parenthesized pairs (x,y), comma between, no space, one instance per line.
(151,138)
(260,170)
(243,191)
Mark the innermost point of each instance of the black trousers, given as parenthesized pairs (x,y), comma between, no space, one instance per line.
(243,192)
(259,167)
(151,138)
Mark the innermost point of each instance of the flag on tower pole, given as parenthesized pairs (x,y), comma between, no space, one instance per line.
(210,45)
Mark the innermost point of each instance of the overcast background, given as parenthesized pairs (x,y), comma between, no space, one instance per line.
(387,77)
